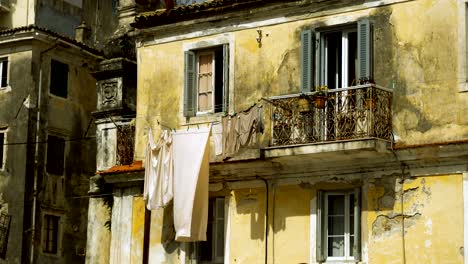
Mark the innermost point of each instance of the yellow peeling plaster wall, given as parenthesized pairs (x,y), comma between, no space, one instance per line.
(415,54)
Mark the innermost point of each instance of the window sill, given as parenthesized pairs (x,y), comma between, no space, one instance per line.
(5,89)
(204,118)
(463,87)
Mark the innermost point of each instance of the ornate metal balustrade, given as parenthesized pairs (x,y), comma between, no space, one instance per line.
(363,111)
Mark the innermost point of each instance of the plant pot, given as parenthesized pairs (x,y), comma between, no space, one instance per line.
(320,102)
(303,105)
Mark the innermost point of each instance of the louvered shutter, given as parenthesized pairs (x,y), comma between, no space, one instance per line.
(190,84)
(307,60)
(357,224)
(320,254)
(225,78)
(364,50)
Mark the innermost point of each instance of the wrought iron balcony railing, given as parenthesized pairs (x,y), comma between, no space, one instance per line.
(363,111)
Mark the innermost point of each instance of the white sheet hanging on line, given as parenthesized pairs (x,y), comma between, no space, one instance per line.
(191,172)
(159,171)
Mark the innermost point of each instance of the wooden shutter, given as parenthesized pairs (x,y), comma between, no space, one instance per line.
(357,224)
(307,56)
(225,78)
(190,84)
(364,50)
(320,254)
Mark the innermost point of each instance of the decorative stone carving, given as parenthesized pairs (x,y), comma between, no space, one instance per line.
(109,94)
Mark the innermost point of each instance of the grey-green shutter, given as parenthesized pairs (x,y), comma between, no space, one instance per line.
(225,78)
(190,84)
(357,224)
(364,50)
(320,254)
(307,57)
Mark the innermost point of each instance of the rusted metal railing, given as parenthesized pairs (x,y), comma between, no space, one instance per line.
(363,111)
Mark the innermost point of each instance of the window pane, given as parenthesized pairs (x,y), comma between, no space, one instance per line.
(351,245)
(336,246)
(335,225)
(336,204)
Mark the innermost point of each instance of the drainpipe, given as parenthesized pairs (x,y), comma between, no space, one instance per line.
(36,152)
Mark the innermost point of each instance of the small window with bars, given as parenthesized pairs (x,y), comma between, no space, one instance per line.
(51,233)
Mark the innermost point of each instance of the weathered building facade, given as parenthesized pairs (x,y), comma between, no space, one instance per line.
(47,146)
(363,156)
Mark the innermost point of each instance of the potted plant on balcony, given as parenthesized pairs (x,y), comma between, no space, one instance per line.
(303,104)
(320,97)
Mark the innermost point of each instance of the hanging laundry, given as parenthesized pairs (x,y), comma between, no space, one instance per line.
(217,136)
(159,171)
(241,130)
(191,172)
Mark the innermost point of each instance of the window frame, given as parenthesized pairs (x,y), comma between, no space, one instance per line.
(313,73)
(197,247)
(227,42)
(347,213)
(4,148)
(59,232)
(344,80)
(51,74)
(321,226)
(5,60)
(197,86)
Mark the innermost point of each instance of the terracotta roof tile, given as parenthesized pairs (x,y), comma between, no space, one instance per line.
(134,167)
(30,28)
(194,11)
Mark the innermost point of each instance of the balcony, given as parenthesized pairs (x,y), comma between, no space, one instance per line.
(4,6)
(354,118)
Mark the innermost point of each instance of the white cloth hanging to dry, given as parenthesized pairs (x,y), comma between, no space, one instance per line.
(159,171)
(191,172)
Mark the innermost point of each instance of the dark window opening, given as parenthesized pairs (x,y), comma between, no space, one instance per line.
(218,81)
(2,147)
(51,229)
(55,155)
(212,250)
(59,78)
(4,72)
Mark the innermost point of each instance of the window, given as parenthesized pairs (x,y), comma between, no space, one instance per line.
(55,155)
(2,149)
(58,78)
(3,72)
(337,57)
(206,81)
(51,233)
(338,226)
(212,250)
